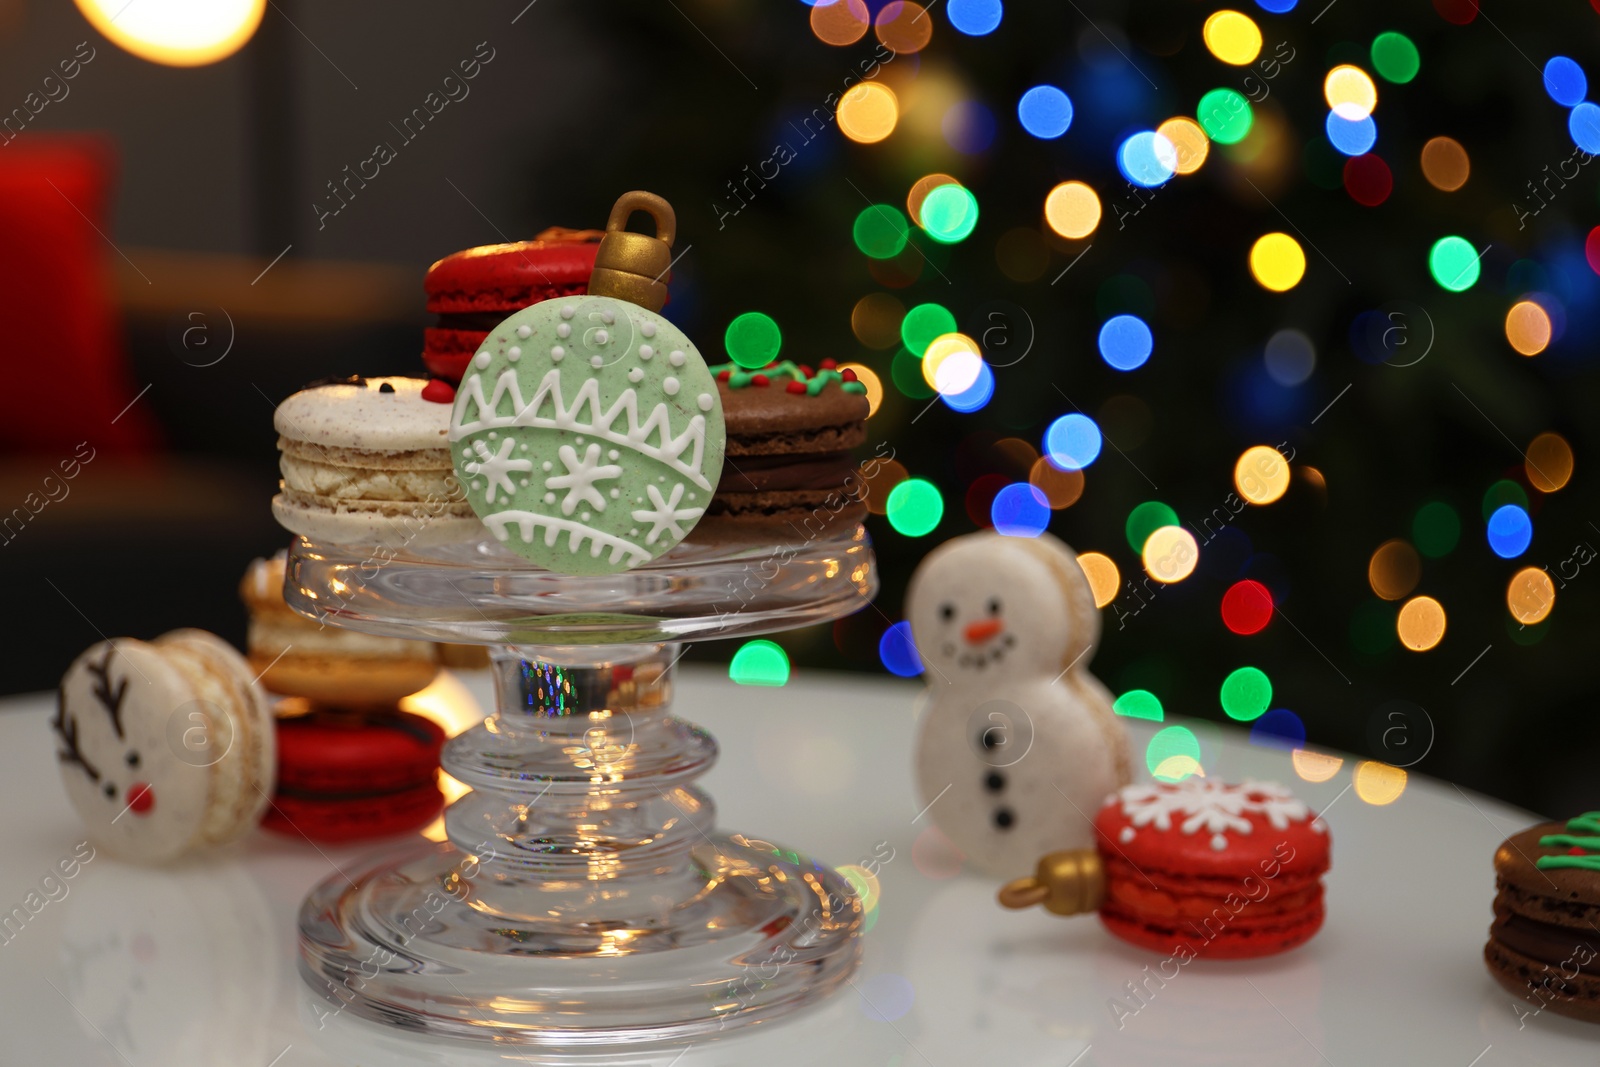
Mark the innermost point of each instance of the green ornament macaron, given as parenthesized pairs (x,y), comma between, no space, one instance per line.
(588,434)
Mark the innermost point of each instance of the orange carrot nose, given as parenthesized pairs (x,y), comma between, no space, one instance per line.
(979,632)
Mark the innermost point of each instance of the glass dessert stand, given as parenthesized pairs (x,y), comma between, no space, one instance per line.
(584,897)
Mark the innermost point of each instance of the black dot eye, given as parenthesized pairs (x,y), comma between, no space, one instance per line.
(947,612)
(1004,819)
(133,759)
(994,606)
(111,791)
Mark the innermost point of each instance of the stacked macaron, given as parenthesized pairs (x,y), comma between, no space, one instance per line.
(165,746)
(350,764)
(1544,945)
(473,291)
(788,471)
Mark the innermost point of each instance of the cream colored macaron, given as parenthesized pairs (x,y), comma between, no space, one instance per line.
(366,461)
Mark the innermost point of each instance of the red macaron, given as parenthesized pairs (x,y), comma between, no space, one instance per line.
(1213,869)
(346,777)
(474,290)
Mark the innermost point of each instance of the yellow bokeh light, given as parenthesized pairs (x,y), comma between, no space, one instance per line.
(869,378)
(1378,783)
(1445,164)
(1315,766)
(1351,92)
(178,33)
(942,348)
(1103,576)
(865,884)
(1061,488)
(1177,768)
(1528,327)
(1261,475)
(1072,209)
(1421,623)
(904,26)
(840,22)
(1530,595)
(1394,570)
(1277,262)
(1548,462)
(1170,554)
(1189,139)
(880,477)
(868,112)
(1232,37)
(920,190)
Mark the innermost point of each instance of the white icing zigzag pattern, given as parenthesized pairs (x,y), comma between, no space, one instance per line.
(1215,807)
(548,409)
(502,522)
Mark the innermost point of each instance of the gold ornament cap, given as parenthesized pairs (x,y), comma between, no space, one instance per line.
(1066,883)
(631,266)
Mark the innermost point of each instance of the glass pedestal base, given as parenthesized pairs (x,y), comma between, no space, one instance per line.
(762,936)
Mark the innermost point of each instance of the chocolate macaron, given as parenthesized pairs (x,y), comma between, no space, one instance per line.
(788,470)
(472,291)
(1544,944)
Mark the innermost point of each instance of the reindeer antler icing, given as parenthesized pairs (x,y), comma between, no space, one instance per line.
(110,698)
(67,729)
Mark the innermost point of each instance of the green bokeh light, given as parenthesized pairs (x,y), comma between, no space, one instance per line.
(1395,58)
(881,231)
(922,324)
(1436,529)
(915,507)
(1246,694)
(1528,635)
(1454,263)
(1372,627)
(1139,704)
(1145,520)
(759,663)
(949,213)
(1225,116)
(753,340)
(906,370)
(1170,742)
(1501,493)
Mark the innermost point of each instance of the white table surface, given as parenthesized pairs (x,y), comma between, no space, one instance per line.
(197,966)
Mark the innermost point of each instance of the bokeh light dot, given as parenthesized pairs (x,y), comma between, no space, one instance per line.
(1591,249)
(868,112)
(1277,262)
(1395,57)
(881,231)
(1144,520)
(1367,179)
(1350,92)
(879,478)
(1072,442)
(1147,159)
(1454,263)
(975,396)
(1061,488)
(1315,766)
(1247,607)
(1125,342)
(1394,570)
(1225,115)
(1436,529)
(1548,462)
(1421,623)
(919,192)
(975,18)
(904,26)
(1139,704)
(1352,137)
(875,320)
(1170,554)
(1045,112)
(898,652)
(1277,7)
(1279,728)
(1104,578)
(753,340)
(969,127)
(1246,694)
(949,213)
(1445,164)
(1290,357)
(1528,327)
(961,373)
(1565,81)
(870,382)
(1072,209)
(1378,783)
(1530,595)
(759,663)
(1232,37)
(1583,123)
(1020,510)
(840,22)
(1261,474)
(1173,754)
(915,507)
(1510,531)
(1188,140)
(923,323)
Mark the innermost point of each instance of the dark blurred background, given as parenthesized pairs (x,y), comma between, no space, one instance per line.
(191,251)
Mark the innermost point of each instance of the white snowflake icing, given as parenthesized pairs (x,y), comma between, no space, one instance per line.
(497,467)
(580,477)
(667,514)
(1198,803)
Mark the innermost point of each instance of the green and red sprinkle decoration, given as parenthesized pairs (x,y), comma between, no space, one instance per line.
(753,340)
(1583,845)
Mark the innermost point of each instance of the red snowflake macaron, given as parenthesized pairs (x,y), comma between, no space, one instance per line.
(1227,871)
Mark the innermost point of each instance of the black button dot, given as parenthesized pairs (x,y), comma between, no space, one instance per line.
(994,782)
(385,388)
(133,759)
(989,739)
(111,791)
(1004,819)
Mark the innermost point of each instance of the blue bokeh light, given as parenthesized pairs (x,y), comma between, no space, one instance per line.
(974,396)
(1020,510)
(975,18)
(898,652)
(1148,159)
(1125,342)
(1510,531)
(1045,112)
(1565,81)
(1353,138)
(1277,7)
(1072,442)
(969,127)
(1279,728)
(1583,122)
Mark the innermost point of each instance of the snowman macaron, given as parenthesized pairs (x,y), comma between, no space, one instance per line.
(1018,746)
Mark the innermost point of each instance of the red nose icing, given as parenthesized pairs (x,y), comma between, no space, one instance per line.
(141,798)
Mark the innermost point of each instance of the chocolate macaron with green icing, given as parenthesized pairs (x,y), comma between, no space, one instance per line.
(1544,945)
(788,472)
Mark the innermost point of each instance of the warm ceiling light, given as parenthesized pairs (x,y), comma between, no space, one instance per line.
(179,33)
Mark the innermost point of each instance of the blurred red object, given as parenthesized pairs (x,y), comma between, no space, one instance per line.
(68,379)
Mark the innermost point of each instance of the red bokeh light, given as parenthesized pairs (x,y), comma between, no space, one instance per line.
(980,497)
(1591,247)
(1247,607)
(1459,12)
(1367,180)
